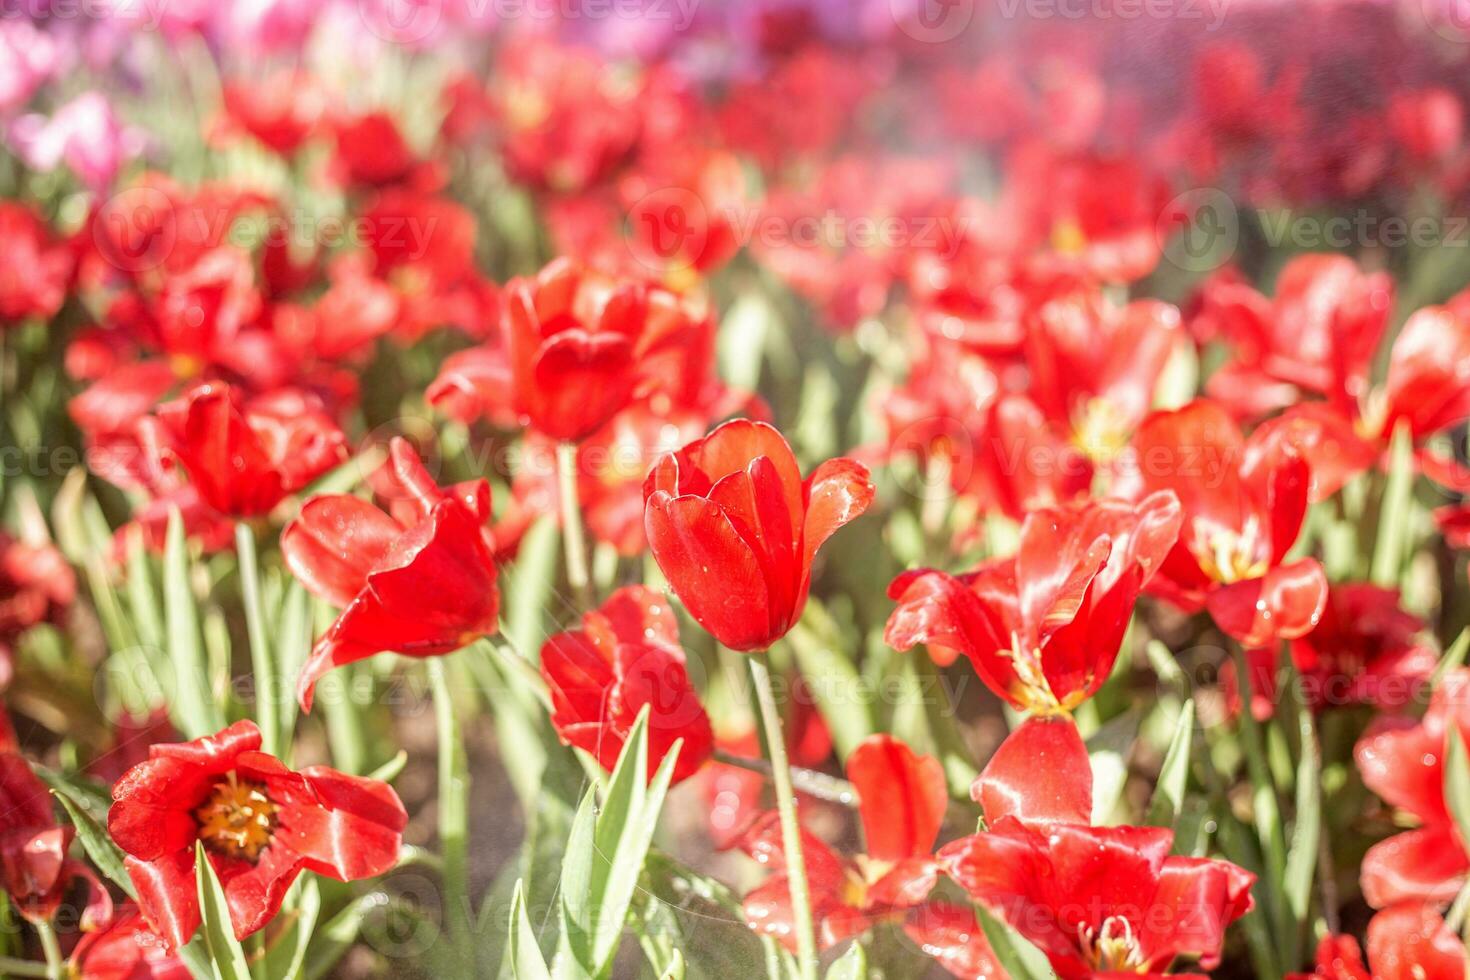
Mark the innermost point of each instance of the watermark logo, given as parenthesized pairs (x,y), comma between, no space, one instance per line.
(932,21)
(1199,230)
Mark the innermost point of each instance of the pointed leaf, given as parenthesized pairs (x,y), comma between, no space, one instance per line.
(225,955)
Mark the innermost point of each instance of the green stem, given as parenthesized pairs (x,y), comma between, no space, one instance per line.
(267,688)
(809,781)
(55,966)
(454,787)
(801,904)
(571,522)
(11,967)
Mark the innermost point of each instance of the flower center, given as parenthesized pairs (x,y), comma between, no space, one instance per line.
(1100,429)
(237,819)
(1113,947)
(1230,556)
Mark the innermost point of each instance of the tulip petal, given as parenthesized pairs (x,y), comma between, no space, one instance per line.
(353,829)
(1285,603)
(838,491)
(1040,774)
(334,544)
(711,568)
(1424,865)
(1412,942)
(167,895)
(901,797)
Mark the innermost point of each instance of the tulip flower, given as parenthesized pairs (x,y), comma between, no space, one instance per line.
(901,803)
(36,586)
(36,870)
(418,579)
(1101,899)
(35,269)
(735,529)
(126,949)
(1043,628)
(1404,763)
(1408,941)
(245,456)
(1243,511)
(260,822)
(626,656)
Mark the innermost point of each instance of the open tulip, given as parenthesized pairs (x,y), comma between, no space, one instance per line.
(126,949)
(245,456)
(1243,511)
(735,528)
(1409,941)
(261,825)
(901,802)
(1043,628)
(626,656)
(418,579)
(1403,761)
(35,868)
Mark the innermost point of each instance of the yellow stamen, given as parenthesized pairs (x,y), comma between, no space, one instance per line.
(237,819)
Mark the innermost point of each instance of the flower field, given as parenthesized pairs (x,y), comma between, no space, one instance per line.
(781,489)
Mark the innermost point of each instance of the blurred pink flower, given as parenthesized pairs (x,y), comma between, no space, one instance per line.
(28,57)
(85,135)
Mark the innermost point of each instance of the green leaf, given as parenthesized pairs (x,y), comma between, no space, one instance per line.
(106,855)
(578,900)
(526,960)
(1108,750)
(1389,548)
(285,958)
(1453,658)
(389,770)
(1168,797)
(624,832)
(1306,835)
(268,691)
(335,938)
(851,965)
(193,707)
(529,587)
(293,644)
(1016,955)
(1457,781)
(675,969)
(454,782)
(225,955)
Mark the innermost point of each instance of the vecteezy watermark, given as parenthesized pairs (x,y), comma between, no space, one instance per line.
(932,21)
(1200,229)
(414,21)
(1450,19)
(138,229)
(672,226)
(1212,12)
(140,14)
(1363,229)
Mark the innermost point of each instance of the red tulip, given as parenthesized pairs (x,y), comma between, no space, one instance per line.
(626,656)
(1040,774)
(1094,364)
(260,822)
(1406,942)
(952,935)
(734,528)
(36,586)
(1101,899)
(418,580)
(1243,510)
(1365,650)
(35,869)
(1403,761)
(1043,628)
(126,949)
(35,270)
(281,110)
(1318,334)
(901,803)
(245,455)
